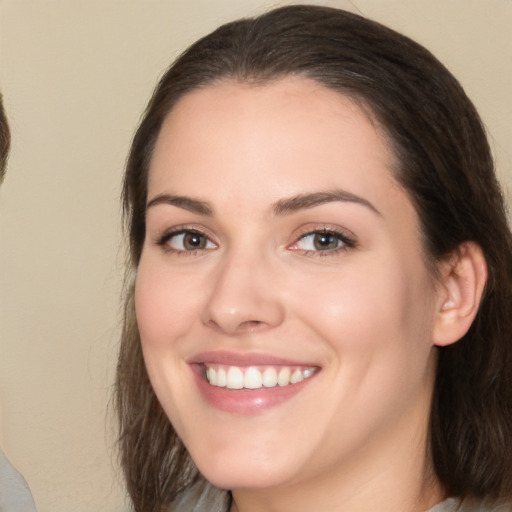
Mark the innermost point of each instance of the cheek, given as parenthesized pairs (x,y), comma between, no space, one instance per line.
(164,316)
(368,312)
(377,329)
(164,305)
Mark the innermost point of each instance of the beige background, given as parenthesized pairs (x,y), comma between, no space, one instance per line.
(76,76)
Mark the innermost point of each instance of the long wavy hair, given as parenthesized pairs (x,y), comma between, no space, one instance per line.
(446,168)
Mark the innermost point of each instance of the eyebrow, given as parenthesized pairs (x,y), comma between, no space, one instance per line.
(187,203)
(280,208)
(305,201)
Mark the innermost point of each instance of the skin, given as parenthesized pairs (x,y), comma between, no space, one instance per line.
(365,313)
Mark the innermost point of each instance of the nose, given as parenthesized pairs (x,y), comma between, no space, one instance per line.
(243,296)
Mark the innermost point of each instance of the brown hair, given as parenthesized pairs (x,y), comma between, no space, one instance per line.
(444,164)
(5,140)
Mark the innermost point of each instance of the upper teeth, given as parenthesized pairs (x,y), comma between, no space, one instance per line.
(252,377)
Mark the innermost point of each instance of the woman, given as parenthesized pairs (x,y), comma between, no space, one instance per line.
(318,312)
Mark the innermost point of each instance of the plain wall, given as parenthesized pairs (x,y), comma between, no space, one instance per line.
(75,78)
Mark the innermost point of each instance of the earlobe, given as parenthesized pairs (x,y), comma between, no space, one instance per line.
(463,278)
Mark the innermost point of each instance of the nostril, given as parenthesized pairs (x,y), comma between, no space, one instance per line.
(247,326)
(250,325)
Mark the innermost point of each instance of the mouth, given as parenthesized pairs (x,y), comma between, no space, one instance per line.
(255,377)
(249,384)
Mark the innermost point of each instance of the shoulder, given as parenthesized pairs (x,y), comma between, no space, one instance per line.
(472,505)
(493,506)
(202,497)
(15,495)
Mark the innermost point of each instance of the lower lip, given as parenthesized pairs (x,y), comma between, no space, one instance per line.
(246,401)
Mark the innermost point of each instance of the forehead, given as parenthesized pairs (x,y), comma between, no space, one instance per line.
(291,128)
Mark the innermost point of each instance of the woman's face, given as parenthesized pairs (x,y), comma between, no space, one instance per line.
(279,248)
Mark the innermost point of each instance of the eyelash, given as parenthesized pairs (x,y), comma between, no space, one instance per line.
(347,242)
(163,241)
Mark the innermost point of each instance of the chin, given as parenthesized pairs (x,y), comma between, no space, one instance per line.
(244,480)
(242,473)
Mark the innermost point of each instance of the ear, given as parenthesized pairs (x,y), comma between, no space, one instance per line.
(462,282)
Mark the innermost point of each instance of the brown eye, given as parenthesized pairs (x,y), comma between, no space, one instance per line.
(322,241)
(188,241)
(325,241)
(193,241)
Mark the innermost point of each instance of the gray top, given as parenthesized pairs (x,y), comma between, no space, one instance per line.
(15,494)
(455,505)
(203,497)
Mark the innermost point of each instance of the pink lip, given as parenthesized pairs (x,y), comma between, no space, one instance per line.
(244,359)
(246,402)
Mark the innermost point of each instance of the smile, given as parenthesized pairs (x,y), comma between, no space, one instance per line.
(254,377)
(249,383)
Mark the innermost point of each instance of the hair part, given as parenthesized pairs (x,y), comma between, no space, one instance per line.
(445,166)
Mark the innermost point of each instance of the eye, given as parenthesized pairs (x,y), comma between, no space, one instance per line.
(327,241)
(186,241)
(319,242)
